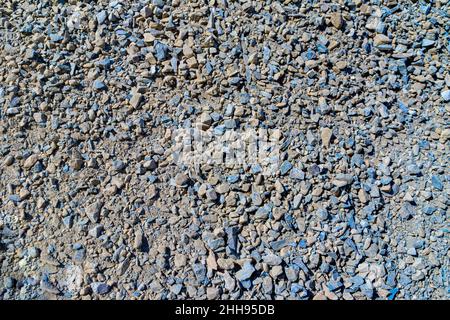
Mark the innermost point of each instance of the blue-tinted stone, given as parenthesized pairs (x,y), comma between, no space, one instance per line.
(219,130)
(357,160)
(315,169)
(266,54)
(407,211)
(299,262)
(425,8)
(256,255)
(296,288)
(233,178)
(367,291)
(290,221)
(256,168)
(68,221)
(246,272)
(158,3)
(278,245)
(436,182)
(14,102)
(429,210)
(325,267)
(372,173)
(419,244)
(413,169)
(351,244)
(121,33)
(101,17)
(385,47)
(297,174)
(368,111)
(426,43)
(99,85)
(244,98)
(229,110)
(445,94)
(303,244)
(321,48)
(403,107)
(385,180)
(214,243)
(310,54)
(27,28)
(357,281)
(79,256)
(390,279)
(216,116)
(209,68)
(176,288)
(232,239)
(334,285)
(38,167)
(14,198)
(161,50)
(285,167)
(424,144)
(77,246)
(263,212)
(119,165)
(247,284)
(392,294)
(395,189)
(404,280)
(230,123)
(234,80)
(322,214)
(199,271)
(56,38)
(100,288)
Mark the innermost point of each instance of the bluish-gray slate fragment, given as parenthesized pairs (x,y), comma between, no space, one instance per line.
(101,17)
(285,167)
(199,272)
(426,43)
(445,94)
(297,174)
(278,244)
(100,288)
(245,272)
(99,85)
(437,184)
(232,239)
(161,50)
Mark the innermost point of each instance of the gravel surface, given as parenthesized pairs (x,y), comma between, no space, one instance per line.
(224,149)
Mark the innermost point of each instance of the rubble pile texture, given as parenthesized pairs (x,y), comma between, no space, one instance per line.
(94,204)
